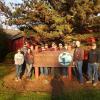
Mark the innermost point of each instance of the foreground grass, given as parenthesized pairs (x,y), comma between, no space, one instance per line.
(79,95)
(5,94)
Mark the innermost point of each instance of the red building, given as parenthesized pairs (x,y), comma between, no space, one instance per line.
(15,39)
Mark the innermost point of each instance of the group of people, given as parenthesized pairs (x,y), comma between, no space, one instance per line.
(24,60)
(26,54)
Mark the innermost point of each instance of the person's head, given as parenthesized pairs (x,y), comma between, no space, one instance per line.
(19,51)
(24,46)
(60,45)
(53,44)
(31,47)
(42,47)
(74,44)
(78,43)
(46,46)
(29,50)
(66,46)
(93,46)
(26,43)
(69,47)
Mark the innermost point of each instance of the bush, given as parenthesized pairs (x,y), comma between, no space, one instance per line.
(3,46)
(10,57)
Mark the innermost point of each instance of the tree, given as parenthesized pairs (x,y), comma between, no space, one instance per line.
(53,19)
(4,9)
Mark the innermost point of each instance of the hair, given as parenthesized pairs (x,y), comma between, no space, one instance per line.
(30,51)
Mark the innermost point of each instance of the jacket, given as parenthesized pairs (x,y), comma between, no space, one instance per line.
(78,54)
(94,56)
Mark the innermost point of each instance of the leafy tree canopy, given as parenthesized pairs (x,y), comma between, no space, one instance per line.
(54,19)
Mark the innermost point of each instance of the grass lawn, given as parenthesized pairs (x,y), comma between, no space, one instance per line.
(5,94)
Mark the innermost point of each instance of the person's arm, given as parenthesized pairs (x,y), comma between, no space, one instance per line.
(22,59)
(14,57)
(82,54)
(98,56)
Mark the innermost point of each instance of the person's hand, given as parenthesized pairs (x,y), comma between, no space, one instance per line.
(73,63)
(97,64)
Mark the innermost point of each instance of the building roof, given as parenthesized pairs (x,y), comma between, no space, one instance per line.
(13,34)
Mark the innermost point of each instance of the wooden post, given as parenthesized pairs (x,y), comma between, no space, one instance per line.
(36,68)
(70,73)
(36,48)
(36,72)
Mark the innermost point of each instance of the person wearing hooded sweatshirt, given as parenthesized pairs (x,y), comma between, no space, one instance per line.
(93,64)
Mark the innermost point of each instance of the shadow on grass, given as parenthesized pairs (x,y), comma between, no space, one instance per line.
(6,69)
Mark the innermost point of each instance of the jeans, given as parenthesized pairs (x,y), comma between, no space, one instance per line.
(64,71)
(44,70)
(79,70)
(93,71)
(29,68)
(18,71)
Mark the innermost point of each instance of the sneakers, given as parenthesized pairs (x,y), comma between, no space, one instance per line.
(94,84)
(17,79)
(89,82)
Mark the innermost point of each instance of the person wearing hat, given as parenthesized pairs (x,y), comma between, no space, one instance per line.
(93,63)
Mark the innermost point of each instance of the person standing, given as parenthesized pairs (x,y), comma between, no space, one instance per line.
(24,51)
(29,63)
(53,48)
(19,60)
(42,49)
(78,61)
(93,64)
(60,47)
(68,49)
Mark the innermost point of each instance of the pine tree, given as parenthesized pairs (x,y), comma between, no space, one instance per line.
(54,19)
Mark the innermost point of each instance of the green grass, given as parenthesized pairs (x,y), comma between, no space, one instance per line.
(79,95)
(5,94)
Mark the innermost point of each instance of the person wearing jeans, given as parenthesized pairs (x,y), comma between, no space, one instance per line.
(29,63)
(79,74)
(78,61)
(19,60)
(93,71)
(93,64)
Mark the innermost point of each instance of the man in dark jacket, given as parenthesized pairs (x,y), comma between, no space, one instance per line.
(78,60)
(93,63)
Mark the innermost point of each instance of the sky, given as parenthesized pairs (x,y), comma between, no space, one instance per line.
(7,2)
(14,1)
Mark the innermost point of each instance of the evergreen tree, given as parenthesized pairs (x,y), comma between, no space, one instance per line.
(54,19)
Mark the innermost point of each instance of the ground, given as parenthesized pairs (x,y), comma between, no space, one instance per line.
(44,83)
(43,88)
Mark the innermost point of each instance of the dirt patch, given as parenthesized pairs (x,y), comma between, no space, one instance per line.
(55,84)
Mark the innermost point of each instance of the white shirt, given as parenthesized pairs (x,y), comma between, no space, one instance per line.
(19,59)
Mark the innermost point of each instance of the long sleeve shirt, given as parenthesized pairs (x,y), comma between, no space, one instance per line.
(94,56)
(19,59)
(78,54)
